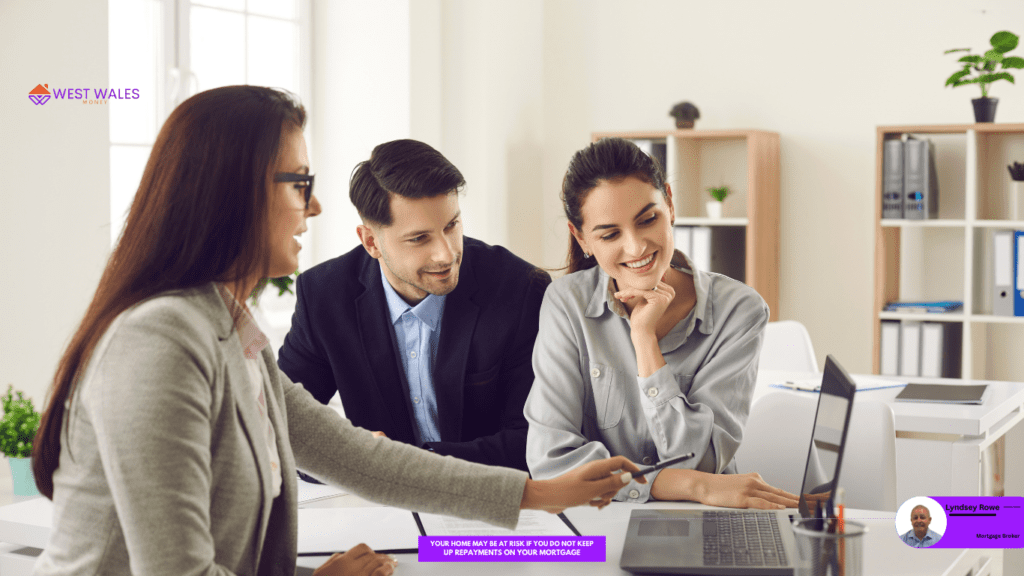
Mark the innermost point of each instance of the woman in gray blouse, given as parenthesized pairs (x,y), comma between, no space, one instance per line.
(170,439)
(639,353)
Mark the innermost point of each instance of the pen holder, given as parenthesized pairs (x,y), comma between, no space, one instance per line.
(823,553)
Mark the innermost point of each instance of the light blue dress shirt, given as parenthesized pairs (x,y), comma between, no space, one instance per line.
(588,403)
(417,332)
(929,538)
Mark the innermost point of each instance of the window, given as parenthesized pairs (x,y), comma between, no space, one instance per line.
(172,49)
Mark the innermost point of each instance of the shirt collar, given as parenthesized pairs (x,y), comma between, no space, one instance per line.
(702,319)
(253,339)
(427,311)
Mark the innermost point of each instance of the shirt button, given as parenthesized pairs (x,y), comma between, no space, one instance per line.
(595,372)
(415,400)
(647,460)
(412,354)
(652,392)
(634,493)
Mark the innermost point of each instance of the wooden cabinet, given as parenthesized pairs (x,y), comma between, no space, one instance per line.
(951,257)
(745,240)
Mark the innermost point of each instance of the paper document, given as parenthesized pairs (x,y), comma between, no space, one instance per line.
(330,530)
(531,523)
(309,492)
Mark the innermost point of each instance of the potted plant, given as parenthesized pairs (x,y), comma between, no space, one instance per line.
(986,69)
(714,207)
(17,430)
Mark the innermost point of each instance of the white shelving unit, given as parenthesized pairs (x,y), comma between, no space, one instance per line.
(950,258)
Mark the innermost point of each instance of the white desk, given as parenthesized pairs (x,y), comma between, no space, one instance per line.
(939,446)
(884,553)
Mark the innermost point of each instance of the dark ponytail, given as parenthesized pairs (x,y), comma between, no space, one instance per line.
(606,159)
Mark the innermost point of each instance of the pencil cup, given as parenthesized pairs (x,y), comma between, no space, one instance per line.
(823,553)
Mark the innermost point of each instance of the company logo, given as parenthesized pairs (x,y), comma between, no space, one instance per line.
(40,94)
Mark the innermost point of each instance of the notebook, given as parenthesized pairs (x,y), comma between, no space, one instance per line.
(743,542)
(943,393)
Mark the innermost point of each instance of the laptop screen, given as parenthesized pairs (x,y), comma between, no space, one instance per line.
(821,475)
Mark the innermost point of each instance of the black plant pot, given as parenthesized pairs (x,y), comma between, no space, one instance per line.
(985,109)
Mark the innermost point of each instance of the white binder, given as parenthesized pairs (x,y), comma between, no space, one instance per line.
(890,349)
(701,245)
(910,348)
(1002,269)
(682,235)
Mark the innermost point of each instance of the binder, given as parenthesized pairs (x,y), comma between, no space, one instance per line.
(1018,274)
(910,348)
(1002,273)
(892,179)
(890,348)
(700,243)
(940,349)
(682,236)
(920,181)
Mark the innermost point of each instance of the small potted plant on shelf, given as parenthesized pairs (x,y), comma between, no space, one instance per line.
(984,70)
(17,430)
(714,207)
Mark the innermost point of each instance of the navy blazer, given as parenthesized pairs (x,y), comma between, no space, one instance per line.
(341,339)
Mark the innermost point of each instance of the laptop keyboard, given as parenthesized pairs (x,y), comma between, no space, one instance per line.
(742,539)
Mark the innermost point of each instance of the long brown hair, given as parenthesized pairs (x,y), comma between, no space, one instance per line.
(606,159)
(198,216)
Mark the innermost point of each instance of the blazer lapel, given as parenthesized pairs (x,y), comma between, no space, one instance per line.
(457,326)
(374,325)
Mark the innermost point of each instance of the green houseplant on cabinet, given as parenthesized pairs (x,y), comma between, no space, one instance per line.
(17,430)
(985,69)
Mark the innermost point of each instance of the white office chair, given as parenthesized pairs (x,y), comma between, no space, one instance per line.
(778,434)
(787,346)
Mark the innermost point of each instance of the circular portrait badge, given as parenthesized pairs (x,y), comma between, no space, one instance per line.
(920,522)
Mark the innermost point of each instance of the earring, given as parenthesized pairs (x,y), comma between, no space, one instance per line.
(585,255)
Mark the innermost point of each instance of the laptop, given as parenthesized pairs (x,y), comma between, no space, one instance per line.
(734,542)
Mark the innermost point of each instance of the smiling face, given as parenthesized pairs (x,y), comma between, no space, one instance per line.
(627,226)
(920,518)
(287,211)
(421,250)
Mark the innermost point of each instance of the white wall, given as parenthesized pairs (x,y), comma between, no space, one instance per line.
(54,188)
(822,75)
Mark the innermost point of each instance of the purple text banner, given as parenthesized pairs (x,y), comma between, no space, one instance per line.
(511,549)
(982,522)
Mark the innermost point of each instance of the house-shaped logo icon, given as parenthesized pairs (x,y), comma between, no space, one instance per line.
(40,94)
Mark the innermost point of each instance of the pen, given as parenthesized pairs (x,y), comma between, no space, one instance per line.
(660,465)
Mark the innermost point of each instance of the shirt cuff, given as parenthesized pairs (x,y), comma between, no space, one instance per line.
(636,492)
(660,387)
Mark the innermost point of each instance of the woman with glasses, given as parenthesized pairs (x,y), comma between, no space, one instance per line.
(170,439)
(639,353)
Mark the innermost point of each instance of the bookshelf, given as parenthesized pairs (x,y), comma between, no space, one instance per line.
(951,257)
(745,240)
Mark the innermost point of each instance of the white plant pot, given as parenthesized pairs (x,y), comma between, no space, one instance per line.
(714,208)
(1016,197)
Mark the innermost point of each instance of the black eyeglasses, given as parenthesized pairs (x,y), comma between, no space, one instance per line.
(306,179)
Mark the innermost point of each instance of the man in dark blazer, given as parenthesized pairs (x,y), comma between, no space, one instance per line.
(427,336)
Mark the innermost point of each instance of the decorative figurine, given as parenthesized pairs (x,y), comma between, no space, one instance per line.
(684,113)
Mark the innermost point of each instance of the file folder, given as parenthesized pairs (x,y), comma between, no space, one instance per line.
(910,348)
(1002,273)
(701,246)
(892,179)
(1018,274)
(682,236)
(890,348)
(940,349)
(920,180)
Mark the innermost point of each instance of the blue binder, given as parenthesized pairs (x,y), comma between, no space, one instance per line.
(1018,273)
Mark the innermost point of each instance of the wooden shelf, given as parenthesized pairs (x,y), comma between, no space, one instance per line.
(950,258)
(745,241)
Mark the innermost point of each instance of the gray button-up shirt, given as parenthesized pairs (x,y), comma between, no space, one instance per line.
(930,537)
(588,403)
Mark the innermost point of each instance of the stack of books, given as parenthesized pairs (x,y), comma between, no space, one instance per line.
(934,306)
